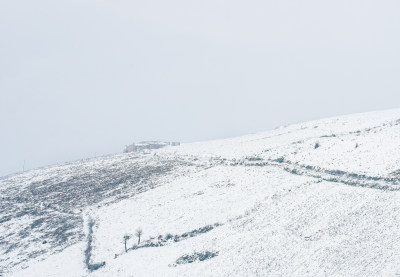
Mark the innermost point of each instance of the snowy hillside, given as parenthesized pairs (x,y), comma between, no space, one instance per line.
(312,199)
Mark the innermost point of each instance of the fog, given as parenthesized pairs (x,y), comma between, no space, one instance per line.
(84,78)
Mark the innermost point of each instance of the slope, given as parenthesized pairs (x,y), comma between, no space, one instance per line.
(308,199)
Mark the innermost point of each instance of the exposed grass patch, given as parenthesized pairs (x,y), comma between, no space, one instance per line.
(196,256)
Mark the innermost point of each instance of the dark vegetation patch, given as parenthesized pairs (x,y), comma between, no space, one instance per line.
(37,223)
(53,205)
(11,247)
(280,160)
(24,232)
(196,256)
(396,173)
(5,218)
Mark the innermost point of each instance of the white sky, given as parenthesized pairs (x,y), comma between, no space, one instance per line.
(90,76)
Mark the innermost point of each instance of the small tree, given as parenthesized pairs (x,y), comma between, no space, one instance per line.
(126,238)
(138,233)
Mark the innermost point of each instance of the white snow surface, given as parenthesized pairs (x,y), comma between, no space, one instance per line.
(320,198)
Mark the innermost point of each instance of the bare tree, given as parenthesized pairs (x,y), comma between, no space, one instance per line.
(126,238)
(138,233)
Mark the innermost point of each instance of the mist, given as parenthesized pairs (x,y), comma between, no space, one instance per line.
(80,79)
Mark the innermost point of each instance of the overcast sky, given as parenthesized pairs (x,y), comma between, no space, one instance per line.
(79,78)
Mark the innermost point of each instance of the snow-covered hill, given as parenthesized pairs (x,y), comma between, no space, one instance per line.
(312,199)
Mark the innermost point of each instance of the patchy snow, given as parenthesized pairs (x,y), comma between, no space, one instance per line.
(317,198)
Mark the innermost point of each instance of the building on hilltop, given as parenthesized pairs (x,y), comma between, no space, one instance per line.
(148,145)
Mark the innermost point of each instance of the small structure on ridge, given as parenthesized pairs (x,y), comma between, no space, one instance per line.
(148,145)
